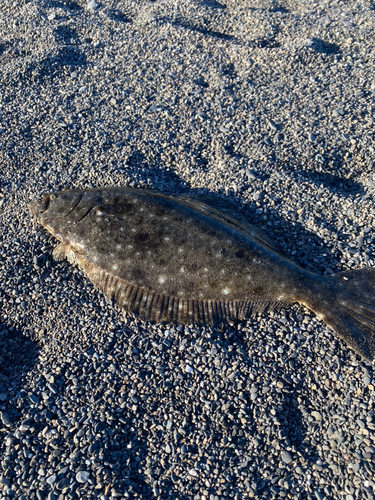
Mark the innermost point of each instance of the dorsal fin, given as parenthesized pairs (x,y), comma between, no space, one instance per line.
(226,212)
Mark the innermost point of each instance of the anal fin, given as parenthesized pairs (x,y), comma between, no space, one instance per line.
(64,251)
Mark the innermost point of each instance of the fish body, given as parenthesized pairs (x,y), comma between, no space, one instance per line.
(196,258)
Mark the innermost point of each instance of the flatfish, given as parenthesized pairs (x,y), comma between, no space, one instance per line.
(195,258)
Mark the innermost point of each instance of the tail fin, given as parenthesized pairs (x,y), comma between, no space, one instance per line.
(350,309)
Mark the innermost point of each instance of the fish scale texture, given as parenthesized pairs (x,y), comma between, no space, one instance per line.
(196,259)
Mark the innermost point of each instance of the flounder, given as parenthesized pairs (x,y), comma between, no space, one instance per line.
(186,259)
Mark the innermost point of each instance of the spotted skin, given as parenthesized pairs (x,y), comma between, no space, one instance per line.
(195,258)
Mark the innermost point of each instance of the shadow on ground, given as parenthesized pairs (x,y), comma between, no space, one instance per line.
(18,355)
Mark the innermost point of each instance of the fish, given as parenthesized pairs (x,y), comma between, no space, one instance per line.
(189,258)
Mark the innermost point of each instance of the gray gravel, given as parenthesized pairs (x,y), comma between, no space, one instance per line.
(268,103)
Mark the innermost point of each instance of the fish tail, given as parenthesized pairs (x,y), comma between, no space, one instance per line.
(346,302)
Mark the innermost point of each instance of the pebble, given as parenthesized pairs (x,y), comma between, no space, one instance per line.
(311,137)
(316,415)
(51,479)
(286,457)
(97,404)
(82,476)
(5,419)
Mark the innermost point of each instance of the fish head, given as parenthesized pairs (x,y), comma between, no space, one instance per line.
(52,207)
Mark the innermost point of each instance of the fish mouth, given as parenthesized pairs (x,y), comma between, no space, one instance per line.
(39,207)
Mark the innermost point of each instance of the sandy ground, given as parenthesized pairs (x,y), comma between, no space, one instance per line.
(267,103)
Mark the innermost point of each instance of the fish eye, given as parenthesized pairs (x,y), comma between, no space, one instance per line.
(52,197)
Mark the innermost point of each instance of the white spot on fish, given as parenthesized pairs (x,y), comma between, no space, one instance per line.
(134,230)
(345,278)
(118,247)
(180,250)
(114,267)
(182,270)
(166,239)
(161,279)
(205,269)
(130,246)
(225,291)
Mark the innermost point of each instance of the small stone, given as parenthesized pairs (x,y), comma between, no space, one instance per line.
(168,449)
(367,381)
(82,476)
(286,457)
(5,419)
(63,483)
(51,479)
(224,129)
(316,415)
(92,5)
(250,174)
(356,467)
(272,126)
(34,399)
(311,137)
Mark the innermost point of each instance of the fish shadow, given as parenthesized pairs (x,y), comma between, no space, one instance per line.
(158,177)
(213,4)
(4,47)
(65,34)
(18,357)
(118,16)
(293,433)
(335,183)
(50,68)
(67,56)
(65,5)
(322,47)
(203,31)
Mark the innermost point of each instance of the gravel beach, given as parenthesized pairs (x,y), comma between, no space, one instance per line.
(269,104)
